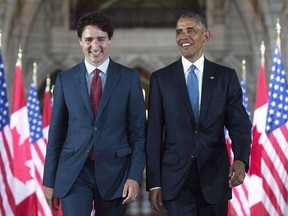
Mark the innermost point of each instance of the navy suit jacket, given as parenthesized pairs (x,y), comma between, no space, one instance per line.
(174,140)
(118,132)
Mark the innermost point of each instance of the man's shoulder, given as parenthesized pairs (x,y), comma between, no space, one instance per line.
(73,69)
(218,66)
(76,69)
(123,69)
(172,67)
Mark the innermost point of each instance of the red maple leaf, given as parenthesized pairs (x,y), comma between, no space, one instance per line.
(256,151)
(22,155)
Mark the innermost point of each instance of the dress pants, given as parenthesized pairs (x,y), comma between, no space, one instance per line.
(79,200)
(190,201)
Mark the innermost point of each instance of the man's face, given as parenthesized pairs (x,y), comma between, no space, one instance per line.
(190,38)
(95,45)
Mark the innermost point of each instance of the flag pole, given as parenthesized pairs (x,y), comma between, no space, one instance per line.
(35,68)
(0,37)
(244,70)
(48,82)
(278,29)
(20,55)
(262,51)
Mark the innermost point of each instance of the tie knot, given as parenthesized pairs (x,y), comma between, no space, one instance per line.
(96,72)
(192,68)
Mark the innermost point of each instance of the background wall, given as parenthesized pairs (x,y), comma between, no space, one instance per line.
(144,37)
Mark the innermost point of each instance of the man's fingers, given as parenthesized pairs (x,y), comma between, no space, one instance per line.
(125,191)
(130,191)
(156,202)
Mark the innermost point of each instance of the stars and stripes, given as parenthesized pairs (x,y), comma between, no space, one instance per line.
(244,96)
(38,148)
(7,201)
(239,204)
(278,95)
(274,163)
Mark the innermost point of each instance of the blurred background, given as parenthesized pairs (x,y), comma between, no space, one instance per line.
(144,39)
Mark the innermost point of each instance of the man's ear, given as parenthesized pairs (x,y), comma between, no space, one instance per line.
(206,36)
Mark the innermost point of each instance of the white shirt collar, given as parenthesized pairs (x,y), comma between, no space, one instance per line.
(103,67)
(199,64)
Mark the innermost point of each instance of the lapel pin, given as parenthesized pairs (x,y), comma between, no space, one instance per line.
(212,77)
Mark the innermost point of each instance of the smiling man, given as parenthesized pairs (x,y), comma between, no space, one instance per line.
(96,140)
(191,100)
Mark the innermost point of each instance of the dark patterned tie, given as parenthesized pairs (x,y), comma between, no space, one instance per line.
(95,96)
(193,91)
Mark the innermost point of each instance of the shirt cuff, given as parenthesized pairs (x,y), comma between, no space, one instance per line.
(154,188)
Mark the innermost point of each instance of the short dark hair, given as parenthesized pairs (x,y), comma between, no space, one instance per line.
(196,16)
(95,18)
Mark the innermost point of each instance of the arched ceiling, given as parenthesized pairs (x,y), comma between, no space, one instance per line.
(136,13)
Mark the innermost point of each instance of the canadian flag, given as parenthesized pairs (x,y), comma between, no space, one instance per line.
(47,111)
(260,113)
(23,168)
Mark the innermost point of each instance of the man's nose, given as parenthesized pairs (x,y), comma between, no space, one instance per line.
(95,44)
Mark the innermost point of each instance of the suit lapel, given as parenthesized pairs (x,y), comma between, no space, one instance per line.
(209,80)
(179,79)
(81,83)
(113,76)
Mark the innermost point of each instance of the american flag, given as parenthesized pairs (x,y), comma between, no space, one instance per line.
(38,148)
(244,96)
(239,204)
(7,201)
(274,163)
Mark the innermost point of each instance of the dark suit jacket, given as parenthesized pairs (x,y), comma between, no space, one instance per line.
(118,133)
(173,139)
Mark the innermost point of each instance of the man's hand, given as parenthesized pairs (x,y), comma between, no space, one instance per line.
(156,201)
(130,191)
(51,200)
(237,173)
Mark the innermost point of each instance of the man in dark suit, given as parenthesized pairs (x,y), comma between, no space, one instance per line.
(187,160)
(95,148)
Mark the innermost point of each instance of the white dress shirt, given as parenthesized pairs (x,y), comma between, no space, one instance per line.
(199,64)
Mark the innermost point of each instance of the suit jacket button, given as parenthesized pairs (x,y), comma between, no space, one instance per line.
(195,132)
(95,128)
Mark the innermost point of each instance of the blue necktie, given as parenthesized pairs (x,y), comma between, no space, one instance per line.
(193,90)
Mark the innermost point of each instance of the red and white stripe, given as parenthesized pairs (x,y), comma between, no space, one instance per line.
(239,204)
(275,171)
(7,200)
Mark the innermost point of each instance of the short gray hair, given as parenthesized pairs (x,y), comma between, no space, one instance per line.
(196,16)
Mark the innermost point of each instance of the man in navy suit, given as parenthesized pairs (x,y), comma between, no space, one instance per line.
(188,167)
(116,134)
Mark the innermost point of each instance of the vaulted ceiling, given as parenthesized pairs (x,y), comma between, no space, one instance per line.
(136,13)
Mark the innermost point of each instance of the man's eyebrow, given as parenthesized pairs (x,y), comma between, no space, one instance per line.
(87,37)
(191,27)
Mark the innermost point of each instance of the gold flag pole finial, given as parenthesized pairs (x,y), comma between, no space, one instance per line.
(35,69)
(262,50)
(244,69)
(20,54)
(48,82)
(278,29)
